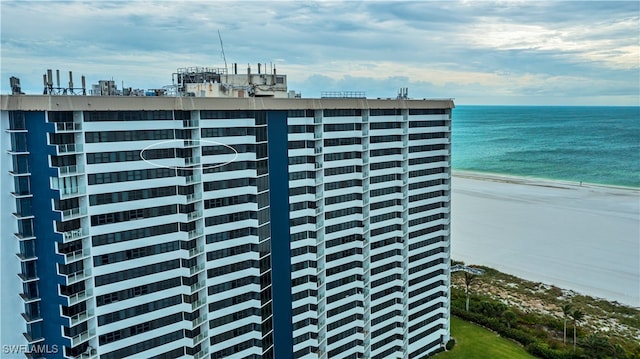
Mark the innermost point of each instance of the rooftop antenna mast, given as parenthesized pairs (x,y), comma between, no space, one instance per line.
(222,47)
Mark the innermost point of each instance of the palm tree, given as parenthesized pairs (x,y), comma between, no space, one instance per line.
(596,346)
(468,279)
(566,311)
(509,317)
(577,316)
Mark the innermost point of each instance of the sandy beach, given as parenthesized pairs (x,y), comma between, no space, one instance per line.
(584,238)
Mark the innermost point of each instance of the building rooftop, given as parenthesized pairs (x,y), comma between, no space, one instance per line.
(193,88)
(106,103)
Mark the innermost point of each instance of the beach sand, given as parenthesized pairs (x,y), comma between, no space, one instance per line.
(584,238)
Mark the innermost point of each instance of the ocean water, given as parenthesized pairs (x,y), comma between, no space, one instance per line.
(598,145)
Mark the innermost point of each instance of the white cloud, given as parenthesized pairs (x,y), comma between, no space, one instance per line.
(495,48)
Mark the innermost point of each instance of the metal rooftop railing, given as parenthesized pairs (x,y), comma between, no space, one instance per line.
(343,94)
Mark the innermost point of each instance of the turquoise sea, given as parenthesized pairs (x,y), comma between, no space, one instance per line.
(598,145)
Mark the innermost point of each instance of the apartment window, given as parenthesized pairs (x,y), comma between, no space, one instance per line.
(134,234)
(343,254)
(131,135)
(230,217)
(342,212)
(224,236)
(342,184)
(341,170)
(301,113)
(340,156)
(229,201)
(136,272)
(300,128)
(17,120)
(227,131)
(236,267)
(138,291)
(138,347)
(413,124)
(124,156)
(233,317)
(425,231)
(226,114)
(92,116)
(385,112)
(430,159)
(424,184)
(426,172)
(387,138)
(335,127)
(430,298)
(385,165)
(386,152)
(341,113)
(385,178)
(133,195)
(125,216)
(427,148)
(426,136)
(427,276)
(329,142)
(384,125)
(343,240)
(226,184)
(343,226)
(133,175)
(428,111)
(134,311)
(343,198)
(136,253)
(299,160)
(225,303)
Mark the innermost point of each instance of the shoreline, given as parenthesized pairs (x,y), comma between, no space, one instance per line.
(537,181)
(579,238)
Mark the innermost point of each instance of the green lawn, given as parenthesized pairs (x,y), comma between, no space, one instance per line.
(475,342)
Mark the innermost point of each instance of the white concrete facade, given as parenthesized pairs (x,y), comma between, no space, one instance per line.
(172,255)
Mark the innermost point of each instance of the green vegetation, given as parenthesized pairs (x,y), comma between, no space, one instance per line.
(547,321)
(473,341)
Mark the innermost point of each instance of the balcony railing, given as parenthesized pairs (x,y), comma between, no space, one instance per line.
(194,215)
(78,276)
(77,255)
(193,197)
(80,317)
(69,148)
(79,297)
(73,234)
(82,337)
(202,353)
(195,251)
(195,269)
(200,302)
(197,286)
(198,321)
(72,192)
(190,123)
(195,233)
(70,170)
(192,179)
(68,126)
(199,338)
(72,213)
(192,161)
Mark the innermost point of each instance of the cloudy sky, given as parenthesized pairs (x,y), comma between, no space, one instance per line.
(478,52)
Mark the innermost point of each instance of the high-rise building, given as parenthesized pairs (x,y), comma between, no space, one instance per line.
(261,226)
